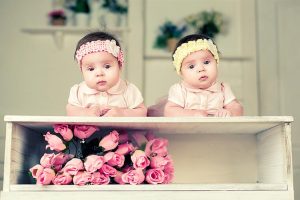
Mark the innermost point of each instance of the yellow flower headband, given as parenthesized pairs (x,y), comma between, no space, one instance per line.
(186,48)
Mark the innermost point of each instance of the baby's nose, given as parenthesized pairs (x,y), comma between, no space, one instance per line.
(200,68)
(99,72)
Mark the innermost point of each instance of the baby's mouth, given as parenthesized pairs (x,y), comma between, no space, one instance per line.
(101,82)
(203,78)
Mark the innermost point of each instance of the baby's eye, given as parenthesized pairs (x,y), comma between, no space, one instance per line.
(206,62)
(191,66)
(107,66)
(90,68)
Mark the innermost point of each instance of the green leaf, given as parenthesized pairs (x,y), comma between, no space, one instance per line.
(143,147)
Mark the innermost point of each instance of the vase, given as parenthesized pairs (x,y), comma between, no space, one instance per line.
(171,44)
(58,22)
(112,19)
(82,19)
(122,20)
(95,13)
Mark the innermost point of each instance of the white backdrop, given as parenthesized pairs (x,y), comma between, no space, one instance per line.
(279,67)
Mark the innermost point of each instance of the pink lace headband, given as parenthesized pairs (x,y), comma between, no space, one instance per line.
(109,46)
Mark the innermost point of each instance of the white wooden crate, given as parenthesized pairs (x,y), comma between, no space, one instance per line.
(215,158)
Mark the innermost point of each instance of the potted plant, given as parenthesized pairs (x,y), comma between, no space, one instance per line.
(81,9)
(115,12)
(81,6)
(57,17)
(115,6)
(169,35)
(209,23)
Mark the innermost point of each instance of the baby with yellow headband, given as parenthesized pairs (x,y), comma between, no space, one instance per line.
(103,92)
(199,93)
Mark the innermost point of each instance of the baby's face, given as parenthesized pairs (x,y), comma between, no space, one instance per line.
(100,70)
(199,69)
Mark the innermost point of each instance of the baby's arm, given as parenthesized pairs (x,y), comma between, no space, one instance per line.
(235,108)
(74,106)
(174,110)
(139,111)
(231,106)
(80,111)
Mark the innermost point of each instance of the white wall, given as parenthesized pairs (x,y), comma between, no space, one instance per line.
(279,50)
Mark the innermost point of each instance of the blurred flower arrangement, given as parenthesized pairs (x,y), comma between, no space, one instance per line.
(120,158)
(169,33)
(115,6)
(209,23)
(57,17)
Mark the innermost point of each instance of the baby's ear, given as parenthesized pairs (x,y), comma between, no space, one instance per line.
(120,66)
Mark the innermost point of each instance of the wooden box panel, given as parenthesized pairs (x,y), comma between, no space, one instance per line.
(245,156)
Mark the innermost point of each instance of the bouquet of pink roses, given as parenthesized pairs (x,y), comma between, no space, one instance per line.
(79,157)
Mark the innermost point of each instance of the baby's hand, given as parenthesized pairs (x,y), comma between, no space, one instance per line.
(219,113)
(95,110)
(104,110)
(114,112)
(200,113)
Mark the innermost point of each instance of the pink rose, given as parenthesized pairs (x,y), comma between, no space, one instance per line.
(47,160)
(169,171)
(159,162)
(156,147)
(139,138)
(54,142)
(93,163)
(99,179)
(73,166)
(62,179)
(108,170)
(110,141)
(61,158)
(46,177)
(118,178)
(124,149)
(127,168)
(64,131)
(169,167)
(114,159)
(168,178)
(83,131)
(133,177)
(155,176)
(36,170)
(140,160)
(82,178)
(123,137)
(150,135)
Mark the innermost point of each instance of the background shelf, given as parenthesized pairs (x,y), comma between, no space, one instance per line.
(58,32)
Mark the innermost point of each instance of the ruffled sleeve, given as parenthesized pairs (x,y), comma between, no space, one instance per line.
(176,95)
(133,96)
(228,94)
(74,96)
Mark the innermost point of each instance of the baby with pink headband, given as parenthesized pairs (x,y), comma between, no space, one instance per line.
(103,92)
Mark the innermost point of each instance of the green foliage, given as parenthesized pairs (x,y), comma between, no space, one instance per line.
(82,6)
(209,23)
(143,146)
(115,6)
(167,31)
